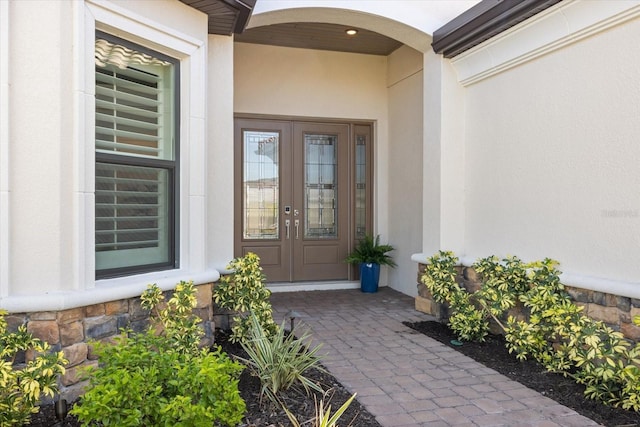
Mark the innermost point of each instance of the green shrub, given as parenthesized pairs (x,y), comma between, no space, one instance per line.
(243,292)
(174,319)
(162,379)
(21,387)
(279,361)
(555,333)
(465,320)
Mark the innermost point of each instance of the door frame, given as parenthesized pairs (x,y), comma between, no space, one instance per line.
(358,130)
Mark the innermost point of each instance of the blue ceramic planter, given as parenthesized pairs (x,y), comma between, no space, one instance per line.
(369,277)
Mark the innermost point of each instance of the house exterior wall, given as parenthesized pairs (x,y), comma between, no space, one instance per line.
(47,147)
(551,157)
(405,83)
(529,146)
(47,159)
(524,145)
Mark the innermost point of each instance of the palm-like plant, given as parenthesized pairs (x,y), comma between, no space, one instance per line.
(370,251)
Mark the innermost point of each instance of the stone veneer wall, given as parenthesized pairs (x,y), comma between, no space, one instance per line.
(614,310)
(72,330)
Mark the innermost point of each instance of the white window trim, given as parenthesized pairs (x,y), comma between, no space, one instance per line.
(4,148)
(111,18)
(89,16)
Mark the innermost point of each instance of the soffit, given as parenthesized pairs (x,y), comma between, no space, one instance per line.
(321,36)
(226,17)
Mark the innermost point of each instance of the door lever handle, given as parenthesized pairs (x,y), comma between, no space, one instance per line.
(297,224)
(287,222)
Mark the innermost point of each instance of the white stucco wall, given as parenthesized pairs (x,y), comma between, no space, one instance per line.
(314,83)
(552,158)
(405,82)
(219,202)
(4,148)
(40,157)
(48,203)
(529,146)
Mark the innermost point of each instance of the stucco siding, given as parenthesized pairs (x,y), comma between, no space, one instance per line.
(49,153)
(313,83)
(551,158)
(405,164)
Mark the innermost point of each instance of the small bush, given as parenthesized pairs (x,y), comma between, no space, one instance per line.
(162,379)
(279,361)
(244,292)
(21,387)
(466,321)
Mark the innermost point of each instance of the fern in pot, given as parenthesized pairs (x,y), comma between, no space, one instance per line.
(370,254)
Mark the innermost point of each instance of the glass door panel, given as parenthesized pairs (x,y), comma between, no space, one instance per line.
(260,185)
(320,186)
(360,187)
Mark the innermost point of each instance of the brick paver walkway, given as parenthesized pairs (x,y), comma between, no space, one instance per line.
(405,378)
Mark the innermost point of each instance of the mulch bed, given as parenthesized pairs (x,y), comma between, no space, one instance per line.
(493,353)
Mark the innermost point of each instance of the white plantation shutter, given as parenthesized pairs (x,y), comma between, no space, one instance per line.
(128,112)
(135,166)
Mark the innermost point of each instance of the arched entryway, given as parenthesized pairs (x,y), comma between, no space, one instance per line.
(384,91)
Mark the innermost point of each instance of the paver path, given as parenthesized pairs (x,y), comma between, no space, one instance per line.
(405,378)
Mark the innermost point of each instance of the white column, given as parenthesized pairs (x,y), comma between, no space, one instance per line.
(220,207)
(443,155)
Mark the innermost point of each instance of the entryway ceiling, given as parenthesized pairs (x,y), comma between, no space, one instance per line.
(311,35)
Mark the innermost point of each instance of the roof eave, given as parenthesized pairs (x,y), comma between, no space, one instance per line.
(226,17)
(483,21)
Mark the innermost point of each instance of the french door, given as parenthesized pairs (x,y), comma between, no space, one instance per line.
(297,196)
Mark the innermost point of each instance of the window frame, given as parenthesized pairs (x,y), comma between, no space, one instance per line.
(172,166)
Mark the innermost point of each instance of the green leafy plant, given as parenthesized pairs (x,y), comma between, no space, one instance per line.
(160,377)
(174,319)
(22,386)
(552,329)
(243,292)
(280,360)
(323,416)
(370,251)
(469,323)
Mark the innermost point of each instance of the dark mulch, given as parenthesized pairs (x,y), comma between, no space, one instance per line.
(297,402)
(493,353)
(265,415)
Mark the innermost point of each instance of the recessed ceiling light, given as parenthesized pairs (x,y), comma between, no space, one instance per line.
(351,32)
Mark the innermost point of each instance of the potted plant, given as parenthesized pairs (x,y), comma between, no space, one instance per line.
(370,254)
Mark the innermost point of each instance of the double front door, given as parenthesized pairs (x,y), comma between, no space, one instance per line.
(301,196)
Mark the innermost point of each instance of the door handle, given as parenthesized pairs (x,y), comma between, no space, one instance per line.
(296,224)
(287,222)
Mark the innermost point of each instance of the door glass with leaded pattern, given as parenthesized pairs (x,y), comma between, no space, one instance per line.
(261,186)
(320,186)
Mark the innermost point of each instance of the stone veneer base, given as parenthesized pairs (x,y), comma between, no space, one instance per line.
(72,330)
(614,310)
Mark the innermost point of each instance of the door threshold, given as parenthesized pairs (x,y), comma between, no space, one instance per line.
(313,286)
